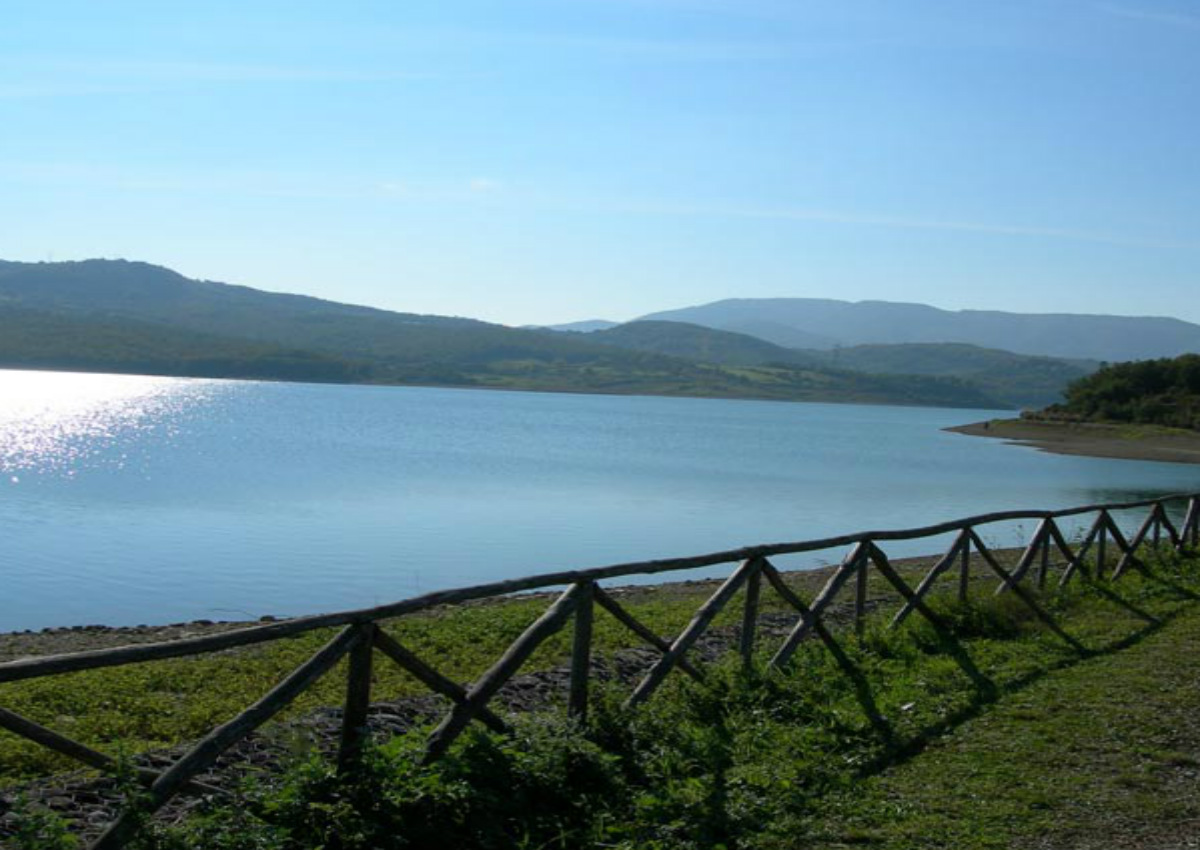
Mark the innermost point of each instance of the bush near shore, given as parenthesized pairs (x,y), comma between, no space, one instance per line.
(1150,392)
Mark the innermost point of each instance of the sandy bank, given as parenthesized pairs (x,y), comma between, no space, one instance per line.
(1127,442)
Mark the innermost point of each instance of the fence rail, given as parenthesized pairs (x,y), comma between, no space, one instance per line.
(361,636)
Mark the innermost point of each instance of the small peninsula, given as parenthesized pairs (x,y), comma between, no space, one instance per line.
(1143,410)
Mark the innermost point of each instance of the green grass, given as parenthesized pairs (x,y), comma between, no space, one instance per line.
(1103,754)
(140,707)
(988,735)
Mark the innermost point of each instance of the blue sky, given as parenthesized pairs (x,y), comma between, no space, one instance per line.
(537,161)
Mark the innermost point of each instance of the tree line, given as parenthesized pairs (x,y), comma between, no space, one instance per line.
(1152,392)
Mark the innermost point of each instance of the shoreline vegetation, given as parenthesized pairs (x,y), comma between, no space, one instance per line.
(1092,439)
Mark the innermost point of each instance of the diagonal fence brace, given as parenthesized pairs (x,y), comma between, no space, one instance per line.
(708,611)
(490,682)
(609,604)
(1024,595)
(923,588)
(853,562)
(216,742)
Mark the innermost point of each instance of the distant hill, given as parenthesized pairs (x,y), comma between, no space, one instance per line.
(1020,380)
(707,345)
(584,327)
(33,339)
(1015,380)
(824,324)
(136,317)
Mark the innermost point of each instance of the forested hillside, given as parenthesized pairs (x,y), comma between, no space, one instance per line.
(1013,380)
(1152,392)
(112,315)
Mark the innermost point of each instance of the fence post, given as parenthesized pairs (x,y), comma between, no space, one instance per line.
(750,614)
(1044,563)
(581,651)
(358,699)
(964,574)
(1192,536)
(1101,545)
(860,591)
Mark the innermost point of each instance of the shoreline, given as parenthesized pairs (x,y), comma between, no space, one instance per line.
(55,640)
(1121,442)
(548,390)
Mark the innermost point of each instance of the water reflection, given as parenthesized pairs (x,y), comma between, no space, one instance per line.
(52,422)
(127,500)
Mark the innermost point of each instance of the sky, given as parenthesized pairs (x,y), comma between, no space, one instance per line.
(541,161)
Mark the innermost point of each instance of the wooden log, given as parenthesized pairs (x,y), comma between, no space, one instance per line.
(861,584)
(1195,522)
(1027,558)
(1102,546)
(931,577)
(1187,534)
(880,560)
(790,597)
(704,616)
(358,699)
(1024,595)
(1129,548)
(628,621)
(581,651)
(964,571)
(1075,561)
(807,621)
(212,745)
(71,748)
(750,614)
(1125,546)
(1165,523)
(431,678)
(1194,510)
(94,659)
(1074,558)
(1044,560)
(490,682)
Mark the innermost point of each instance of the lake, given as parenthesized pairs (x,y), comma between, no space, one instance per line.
(128,500)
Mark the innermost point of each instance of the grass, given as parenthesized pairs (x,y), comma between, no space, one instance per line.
(992,733)
(141,707)
(1104,754)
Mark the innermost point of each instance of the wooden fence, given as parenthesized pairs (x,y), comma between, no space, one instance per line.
(1112,552)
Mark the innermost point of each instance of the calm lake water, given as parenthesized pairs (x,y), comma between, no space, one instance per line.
(127,500)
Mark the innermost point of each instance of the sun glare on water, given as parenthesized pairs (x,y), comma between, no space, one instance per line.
(54,422)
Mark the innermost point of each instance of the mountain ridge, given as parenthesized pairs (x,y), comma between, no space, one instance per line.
(118,314)
(1086,336)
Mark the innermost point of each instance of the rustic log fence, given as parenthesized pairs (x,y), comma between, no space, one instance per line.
(361,635)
